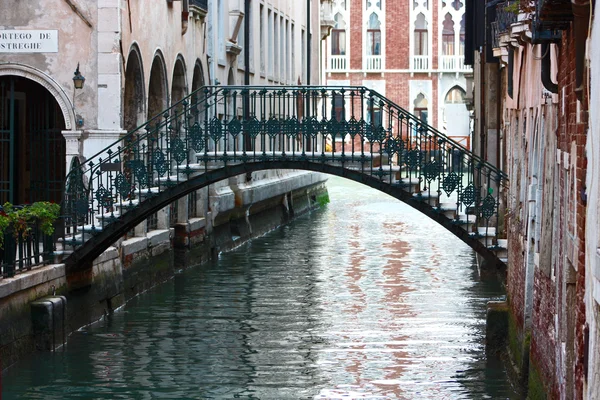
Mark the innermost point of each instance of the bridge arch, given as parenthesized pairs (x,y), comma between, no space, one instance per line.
(82,258)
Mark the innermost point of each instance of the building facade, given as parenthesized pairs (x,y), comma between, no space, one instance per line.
(137,60)
(77,75)
(410,52)
(532,95)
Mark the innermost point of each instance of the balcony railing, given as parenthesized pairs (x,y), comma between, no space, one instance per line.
(200,4)
(420,63)
(453,63)
(338,63)
(506,15)
(461,64)
(374,63)
(448,63)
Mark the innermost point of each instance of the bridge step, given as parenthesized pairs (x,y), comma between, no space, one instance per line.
(430,198)
(72,241)
(500,248)
(345,157)
(105,219)
(92,229)
(448,209)
(171,180)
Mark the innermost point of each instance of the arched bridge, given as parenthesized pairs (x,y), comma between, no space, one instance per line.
(220,132)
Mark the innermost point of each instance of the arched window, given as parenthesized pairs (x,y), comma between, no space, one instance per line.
(456,95)
(461,46)
(448,36)
(420,35)
(420,109)
(338,36)
(374,36)
(369,4)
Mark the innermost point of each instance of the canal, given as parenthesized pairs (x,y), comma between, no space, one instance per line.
(365,298)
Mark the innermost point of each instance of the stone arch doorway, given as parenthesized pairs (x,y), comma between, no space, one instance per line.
(32,147)
(179,84)
(157,90)
(198,77)
(134,102)
(198,82)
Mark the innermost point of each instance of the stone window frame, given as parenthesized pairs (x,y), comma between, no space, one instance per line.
(341,7)
(420,7)
(377,7)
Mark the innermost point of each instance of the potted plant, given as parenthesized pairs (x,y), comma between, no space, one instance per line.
(16,223)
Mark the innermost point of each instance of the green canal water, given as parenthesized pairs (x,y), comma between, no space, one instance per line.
(364,299)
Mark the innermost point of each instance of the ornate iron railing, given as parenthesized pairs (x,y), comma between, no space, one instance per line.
(202,4)
(506,15)
(353,127)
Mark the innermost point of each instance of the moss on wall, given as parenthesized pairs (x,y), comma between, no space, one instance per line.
(536,388)
(323,199)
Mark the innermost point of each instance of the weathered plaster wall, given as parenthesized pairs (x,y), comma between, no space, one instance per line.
(592,233)
(545,139)
(77,43)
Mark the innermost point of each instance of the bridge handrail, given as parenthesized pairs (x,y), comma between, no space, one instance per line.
(145,125)
(501,175)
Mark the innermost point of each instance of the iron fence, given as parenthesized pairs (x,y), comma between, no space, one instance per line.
(24,246)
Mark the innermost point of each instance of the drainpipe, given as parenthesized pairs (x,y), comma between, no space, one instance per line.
(247,140)
(247,42)
(546,69)
(581,18)
(308,37)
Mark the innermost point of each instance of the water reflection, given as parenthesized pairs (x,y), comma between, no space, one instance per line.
(367,299)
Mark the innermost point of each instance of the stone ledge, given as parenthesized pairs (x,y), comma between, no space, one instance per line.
(109,254)
(134,245)
(26,280)
(158,236)
(265,189)
(196,223)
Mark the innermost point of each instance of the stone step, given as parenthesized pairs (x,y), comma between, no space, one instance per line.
(105,219)
(170,180)
(448,209)
(148,192)
(72,240)
(430,198)
(92,229)
(500,252)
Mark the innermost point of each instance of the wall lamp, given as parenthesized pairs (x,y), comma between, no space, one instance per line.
(78,79)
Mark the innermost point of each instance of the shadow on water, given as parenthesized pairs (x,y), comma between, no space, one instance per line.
(364,299)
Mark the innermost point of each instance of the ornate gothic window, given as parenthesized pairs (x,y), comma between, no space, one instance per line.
(421,42)
(421,104)
(455,96)
(461,45)
(374,36)
(457,5)
(338,36)
(448,36)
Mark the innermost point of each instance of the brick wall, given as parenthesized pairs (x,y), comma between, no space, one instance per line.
(551,298)
(397,30)
(397,54)
(572,129)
